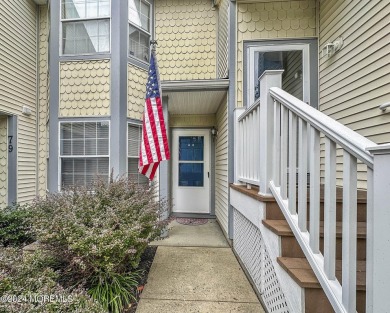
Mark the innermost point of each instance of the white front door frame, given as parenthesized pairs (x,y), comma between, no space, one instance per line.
(187,199)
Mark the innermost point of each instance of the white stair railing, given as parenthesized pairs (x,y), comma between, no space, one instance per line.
(289,133)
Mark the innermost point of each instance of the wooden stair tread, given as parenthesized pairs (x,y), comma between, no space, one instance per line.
(281,228)
(300,270)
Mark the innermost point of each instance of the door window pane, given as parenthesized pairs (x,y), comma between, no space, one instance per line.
(191,174)
(191,148)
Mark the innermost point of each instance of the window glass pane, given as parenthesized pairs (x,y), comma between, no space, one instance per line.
(134,175)
(85,37)
(191,148)
(134,138)
(90,147)
(191,174)
(134,14)
(73,9)
(102,147)
(83,171)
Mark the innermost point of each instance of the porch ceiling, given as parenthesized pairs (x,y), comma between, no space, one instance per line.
(194,97)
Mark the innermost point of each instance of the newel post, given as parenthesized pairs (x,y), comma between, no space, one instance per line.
(268,79)
(237,145)
(378,231)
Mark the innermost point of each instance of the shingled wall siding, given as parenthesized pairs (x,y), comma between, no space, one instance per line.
(136,82)
(85,88)
(186,36)
(43,100)
(285,19)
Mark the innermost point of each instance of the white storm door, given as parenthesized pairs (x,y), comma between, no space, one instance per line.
(191,171)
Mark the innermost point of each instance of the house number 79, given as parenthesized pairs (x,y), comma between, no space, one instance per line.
(10,146)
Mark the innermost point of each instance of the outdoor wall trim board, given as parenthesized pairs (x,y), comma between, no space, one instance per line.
(118,131)
(232,44)
(12,173)
(54,95)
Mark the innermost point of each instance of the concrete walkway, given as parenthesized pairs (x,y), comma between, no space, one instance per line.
(195,270)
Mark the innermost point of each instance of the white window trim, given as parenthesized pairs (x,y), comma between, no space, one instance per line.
(80,156)
(150,33)
(132,123)
(62,20)
(252,49)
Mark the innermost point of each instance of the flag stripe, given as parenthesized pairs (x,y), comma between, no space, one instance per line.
(158,128)
(153,130)
(163,130)
(145,143)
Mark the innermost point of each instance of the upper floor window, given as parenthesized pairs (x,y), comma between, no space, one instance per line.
(139,29)
(85,26)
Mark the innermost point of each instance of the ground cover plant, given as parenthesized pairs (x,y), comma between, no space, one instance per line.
(95,238)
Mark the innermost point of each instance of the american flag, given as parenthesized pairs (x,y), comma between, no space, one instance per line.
(154,142)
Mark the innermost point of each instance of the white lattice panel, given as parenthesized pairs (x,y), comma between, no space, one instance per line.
(249,245)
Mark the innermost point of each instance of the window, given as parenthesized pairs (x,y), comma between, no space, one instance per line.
(139,29)
(84,152)
(85,26)
(134,141)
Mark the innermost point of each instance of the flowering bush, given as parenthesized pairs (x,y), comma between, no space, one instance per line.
(15,228)
(30,285)
(104,230)
(99,236)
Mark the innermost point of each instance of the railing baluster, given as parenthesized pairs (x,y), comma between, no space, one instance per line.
(276,169)
(349,231)
(302,174)
(246,155)
(251,141)
(292,167)
(258,145)
(283,153)
(330,209)
(314,190)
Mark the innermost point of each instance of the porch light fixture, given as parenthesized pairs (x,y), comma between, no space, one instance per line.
(214,132)
(332,47)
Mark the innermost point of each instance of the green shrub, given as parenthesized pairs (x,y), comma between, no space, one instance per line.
(28,280)
(100,235)
(15,227)
(112,290)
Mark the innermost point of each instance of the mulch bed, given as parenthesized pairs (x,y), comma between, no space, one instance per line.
(144,266)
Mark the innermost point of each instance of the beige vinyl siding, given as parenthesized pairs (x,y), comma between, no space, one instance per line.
(356,80)
(271,20)
(192,120)
(136,90)
(223,37)
(85,88)
(18,85)
(293,67)
(43,99)
(221,167)
(187,39)
(3,162)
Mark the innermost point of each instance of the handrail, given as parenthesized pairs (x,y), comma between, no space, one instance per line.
(349,140)
(249,110)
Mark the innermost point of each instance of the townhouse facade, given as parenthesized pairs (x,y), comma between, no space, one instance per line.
(72,87)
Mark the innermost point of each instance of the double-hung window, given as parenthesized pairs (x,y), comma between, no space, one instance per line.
(85,26)
(139,29)
(134,141)
(84,152)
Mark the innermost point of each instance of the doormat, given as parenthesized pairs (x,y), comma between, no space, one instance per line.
(191,221)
